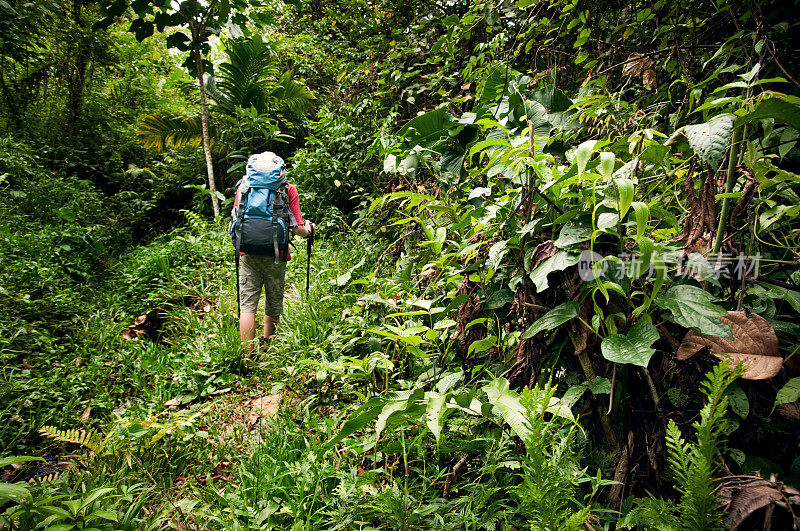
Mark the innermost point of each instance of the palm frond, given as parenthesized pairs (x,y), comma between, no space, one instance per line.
(244,78)
(161,132)
(291,96)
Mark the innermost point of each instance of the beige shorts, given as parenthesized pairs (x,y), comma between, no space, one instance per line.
(257,273)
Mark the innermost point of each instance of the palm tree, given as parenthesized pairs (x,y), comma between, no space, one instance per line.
(250,102)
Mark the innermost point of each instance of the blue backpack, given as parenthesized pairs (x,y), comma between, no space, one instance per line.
(262,218)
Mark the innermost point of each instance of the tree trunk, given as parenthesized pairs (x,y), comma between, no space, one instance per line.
(212,185)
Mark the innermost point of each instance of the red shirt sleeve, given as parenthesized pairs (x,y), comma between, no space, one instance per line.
(294,206)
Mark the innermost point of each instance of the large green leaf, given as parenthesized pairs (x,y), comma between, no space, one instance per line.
(14,492)
(557,105)
(558,262)
(452,161)
(537,115)
(633,347)
(776,108)
(789,392)
(709,140)
(435,412)
(496,84)
(18,459)
(691,307)
(427,129)
(555,317)
(553,99)
(508,404)
(573,232)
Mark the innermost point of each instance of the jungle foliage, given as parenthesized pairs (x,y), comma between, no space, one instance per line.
(556,287)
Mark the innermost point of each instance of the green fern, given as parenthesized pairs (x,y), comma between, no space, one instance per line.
(695,464)
(88,439)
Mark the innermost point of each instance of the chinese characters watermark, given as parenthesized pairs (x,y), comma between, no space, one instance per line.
(725,266)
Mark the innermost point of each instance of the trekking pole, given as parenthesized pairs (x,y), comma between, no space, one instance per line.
(309,243)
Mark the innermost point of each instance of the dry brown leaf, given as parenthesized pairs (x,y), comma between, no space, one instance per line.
(221,391)
(26,364)
(636,64)
(790,411)
(741,496)
(542,252)
(650,79)
(748,500)
(174,402)
(263,407)
(754,343)
(78,362)
(86,413)
(130,334)
(140,320)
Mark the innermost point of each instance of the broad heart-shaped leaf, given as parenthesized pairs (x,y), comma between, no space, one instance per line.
(633,347)
(452,161)
(558,262)
(427,129)
(575,231)
(555,317)
(753,343)
(496,84)
(709,140)
(536,114)
(691,307)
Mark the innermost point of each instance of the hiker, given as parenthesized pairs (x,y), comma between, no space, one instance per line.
(265,208)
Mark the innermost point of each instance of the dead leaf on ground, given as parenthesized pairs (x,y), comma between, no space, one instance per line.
(636,64)
(174,402)
(221,391)
(754,343)
(78,361)
(789,411)
(202,306)
(86,413)
(263,407)
(742,496)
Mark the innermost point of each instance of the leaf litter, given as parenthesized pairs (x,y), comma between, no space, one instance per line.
(754,343)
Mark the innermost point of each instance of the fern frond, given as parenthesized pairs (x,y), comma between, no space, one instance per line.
(44,479)
(88,439)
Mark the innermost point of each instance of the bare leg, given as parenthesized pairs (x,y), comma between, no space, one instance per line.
(247,328)
(270,323)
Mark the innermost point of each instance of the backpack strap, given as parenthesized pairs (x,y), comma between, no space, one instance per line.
(281,205)
(243,190)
